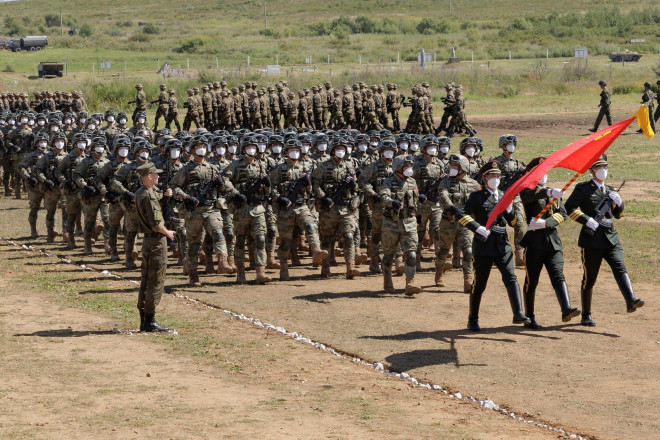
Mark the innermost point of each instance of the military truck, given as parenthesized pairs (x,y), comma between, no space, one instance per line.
(625,55)
(31,43)
(49,68)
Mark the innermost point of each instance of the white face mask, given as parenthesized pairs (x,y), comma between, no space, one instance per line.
(322,147)
(123,152)
(510,148)
(141,120)
(122,121)
(89,142)
(24,120)
(111,119)
(469,151)
(12,121)
(262,148)
(251,150)
(81,145)
(30,122)
(414,147)
(543,180)
(92,126)
(601,173)
(54,128)
(200,151)
(231,149)
(144,155)
(294,154)
(363,147)
(59,144)
(340,154)
(41,123)
(42,144)
(304,149)
(220,151)
(373,144)
(453,172)
(175,153)
(444,149)
(408,172)
(388,154)
(83,121)
(277,149)
(67,121)
(100,149)
(349,150)
(493,183)
(432,151)
(403,146)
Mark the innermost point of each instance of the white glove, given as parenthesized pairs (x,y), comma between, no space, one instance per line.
(509,208)
(555,193)
(537,224)
(592,224)
(616,198)
(483,232)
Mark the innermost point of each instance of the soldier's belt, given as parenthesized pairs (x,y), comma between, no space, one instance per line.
(498,229)
(606,223)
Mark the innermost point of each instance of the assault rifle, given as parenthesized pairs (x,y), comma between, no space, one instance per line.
(431,192)
(336,198)
(248,194)
(204,196)
(602,209)
(168,210)
(295,187)
(512,178)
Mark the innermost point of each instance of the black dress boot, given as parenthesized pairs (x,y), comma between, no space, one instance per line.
(567,312)
(586,308)
(141,320)
(532,324)
(150,324)
(513,290)
(626,288)
(473,319)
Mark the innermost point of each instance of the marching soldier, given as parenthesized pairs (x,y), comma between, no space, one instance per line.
(163,107)
(543,246)
(605,102)
(140,101)
(26,171)
(490,246)
(598,238)
(393,103)
(400,198)
(16,143)
(207,105)
(336,114)
(45,172)
(172,111)
(192,116)
(65,175)
(454,191)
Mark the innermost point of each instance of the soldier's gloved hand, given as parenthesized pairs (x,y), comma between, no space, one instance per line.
(307,180)
(130,196)
(483,232)
(452,210)
(284,202)
(396,205)
(49,184)
(327,202)
(537,224)
(240,199)
(592,224)
(509,208)
(422,198)
(616,198)
(350,179)
(376,197)
(265,180)
(191,202)
(555,193)
(90,190)
(219,182)
(33,181)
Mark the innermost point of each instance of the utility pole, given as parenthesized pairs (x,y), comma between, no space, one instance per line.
(450,6)
(61,24)
(265,17)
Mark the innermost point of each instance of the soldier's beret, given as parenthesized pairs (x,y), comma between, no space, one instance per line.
(532,163)
(148,168)
(602,160)
(490,167)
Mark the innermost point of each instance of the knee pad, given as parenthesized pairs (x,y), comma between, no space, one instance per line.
(311,228)
(217,235)
(348,237)
(260,242)
(240,241)
(230,233)
(411,259)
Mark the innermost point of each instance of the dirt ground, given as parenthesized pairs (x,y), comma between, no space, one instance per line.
(69,374)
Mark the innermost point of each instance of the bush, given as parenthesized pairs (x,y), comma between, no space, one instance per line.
(191,45)
(151,29)
(8,68)
(86,30)
(624,89)
(127,23)
(140,38)
(269,32)
(52,20)
(429,26)
(12,26)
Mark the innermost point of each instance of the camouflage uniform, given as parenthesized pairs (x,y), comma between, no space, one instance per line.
(140,101)
(369,113)
(336,113)
(16,143)
(64,174)
(192,115)
(172,111)
(274,108)
(35,193)
(163,106)
(92,196)
(45,172)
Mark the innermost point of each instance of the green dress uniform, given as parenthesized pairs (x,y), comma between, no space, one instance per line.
(647,97)
(154,251)
(603,244)
(495,249)
(543,247)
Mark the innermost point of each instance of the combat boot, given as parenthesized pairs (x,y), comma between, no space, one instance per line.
(295,260)
(418,262)
(71,242)
(318,254)
(18,191)
(399,267)
(456,261)
(325,268)
(439,280)
(262,278)
(223,265)
(468,280)
(388,285)
(193,278)
(209,267)
(33,230)
(411,287)
(351,271)
(7,191)
(150,324)
(65,237)
(374,267)
(567,312)
(513,290)
(185,268)
(114,254)
(88,246)
(270,261)
(232,263)
(141,319)
(240,274)
(284,271)
(50,235)
(130,263)
(201,257)
(360,257)
(520,257)
(427,241)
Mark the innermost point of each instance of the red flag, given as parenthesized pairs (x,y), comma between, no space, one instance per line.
(578,156)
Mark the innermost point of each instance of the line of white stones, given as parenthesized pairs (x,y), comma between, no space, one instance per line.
(487,404)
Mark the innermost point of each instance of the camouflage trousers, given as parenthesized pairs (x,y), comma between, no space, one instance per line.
(53,199)
(376,231)
(35,198)
(449,232)
(91,208)
(160,112)
(189,119)
(520,228)
(172,117)
(204,220)
(396,124)
(73,208)
(337,221)
(429,219)
(287,220)
(152,272)
(403,233)
(271,231)
(228,229)
(115,214)
(250,229)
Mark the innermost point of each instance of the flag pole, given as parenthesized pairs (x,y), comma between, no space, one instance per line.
(554,199)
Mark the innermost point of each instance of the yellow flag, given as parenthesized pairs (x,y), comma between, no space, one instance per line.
(643,120)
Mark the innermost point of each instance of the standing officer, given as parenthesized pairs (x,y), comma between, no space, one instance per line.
(154,247)
(598,238)
(543,247)
(490,245)
(400,200)
(605,102)
(647,97)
